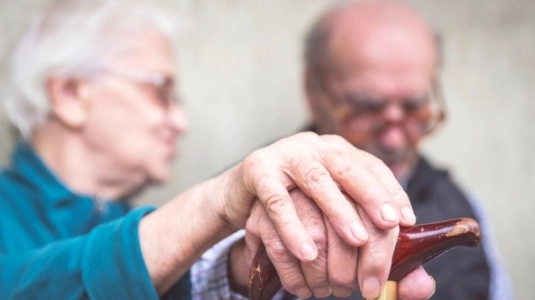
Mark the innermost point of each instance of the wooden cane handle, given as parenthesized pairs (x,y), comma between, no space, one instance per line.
(416,245)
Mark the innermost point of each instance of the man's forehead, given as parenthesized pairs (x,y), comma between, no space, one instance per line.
(374,37)
(387,84)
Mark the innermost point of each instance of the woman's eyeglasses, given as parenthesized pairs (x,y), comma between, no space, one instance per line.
(161,85)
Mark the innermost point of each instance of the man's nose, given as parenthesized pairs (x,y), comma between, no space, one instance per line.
(393,135)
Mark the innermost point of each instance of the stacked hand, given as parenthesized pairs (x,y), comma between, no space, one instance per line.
(322,207)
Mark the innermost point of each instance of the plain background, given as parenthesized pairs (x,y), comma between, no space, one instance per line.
(240,74)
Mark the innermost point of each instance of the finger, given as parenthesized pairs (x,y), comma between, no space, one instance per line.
(398,196)
(303,165)
(308,172)
(366,179)
(271,187)
(416,285)
(315,272)
(287,265)
(315,180)
(341,262)
(375,258)
(356,171)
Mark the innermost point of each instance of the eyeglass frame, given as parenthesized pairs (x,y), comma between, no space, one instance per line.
(346,110)
(158,81)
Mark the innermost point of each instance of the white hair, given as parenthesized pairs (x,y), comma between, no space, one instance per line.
(73,38)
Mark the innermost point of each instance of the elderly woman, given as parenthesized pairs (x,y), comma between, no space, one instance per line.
(92,92)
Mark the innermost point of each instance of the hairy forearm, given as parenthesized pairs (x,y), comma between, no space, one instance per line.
(173,237)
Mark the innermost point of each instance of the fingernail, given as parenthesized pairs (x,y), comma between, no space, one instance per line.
(388,213)
(359,232)
(434,287)
(308,252)
(371,288)
(408,214)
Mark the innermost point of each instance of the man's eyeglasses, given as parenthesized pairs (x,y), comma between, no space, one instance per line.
(362,103)
(421,112)
(162,86)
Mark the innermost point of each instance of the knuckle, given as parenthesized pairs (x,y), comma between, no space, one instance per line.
(342,169)
(309,135)
(375,194)
(279,252)
(317,177)
(253,167)
(306,137)
(333,139)
(253,160)
(276,204)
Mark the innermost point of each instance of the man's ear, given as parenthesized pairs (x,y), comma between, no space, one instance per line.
(312,91)
(318,99)
(324,106)
(67,101)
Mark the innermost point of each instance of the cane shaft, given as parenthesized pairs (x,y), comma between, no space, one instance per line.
(390,291)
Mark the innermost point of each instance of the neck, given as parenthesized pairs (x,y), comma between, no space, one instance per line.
(82,168)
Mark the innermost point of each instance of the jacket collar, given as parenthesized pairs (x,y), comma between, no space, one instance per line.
(30,168)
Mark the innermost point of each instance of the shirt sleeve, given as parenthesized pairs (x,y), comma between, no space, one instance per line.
(209,274)
(500,282)
(107,263)
(209,277)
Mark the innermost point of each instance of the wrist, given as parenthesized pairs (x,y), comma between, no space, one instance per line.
(233,203)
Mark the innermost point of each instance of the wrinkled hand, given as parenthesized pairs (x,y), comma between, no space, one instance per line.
(339,268)
(324,168)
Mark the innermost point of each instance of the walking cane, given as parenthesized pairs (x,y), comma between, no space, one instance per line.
(416,245)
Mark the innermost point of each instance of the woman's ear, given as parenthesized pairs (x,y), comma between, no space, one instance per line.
(67,101)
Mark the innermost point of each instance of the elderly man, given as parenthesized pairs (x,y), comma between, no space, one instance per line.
(372,78)
(92,92)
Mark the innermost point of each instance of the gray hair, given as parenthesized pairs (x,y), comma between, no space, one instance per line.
(315,54)
(72,38)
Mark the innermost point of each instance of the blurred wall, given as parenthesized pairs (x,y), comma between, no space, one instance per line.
(241,77)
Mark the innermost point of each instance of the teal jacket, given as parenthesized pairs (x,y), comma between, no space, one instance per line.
(55,244)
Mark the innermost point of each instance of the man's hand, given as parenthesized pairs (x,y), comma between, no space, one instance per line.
(339,268)
(312,245)
(324,168)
